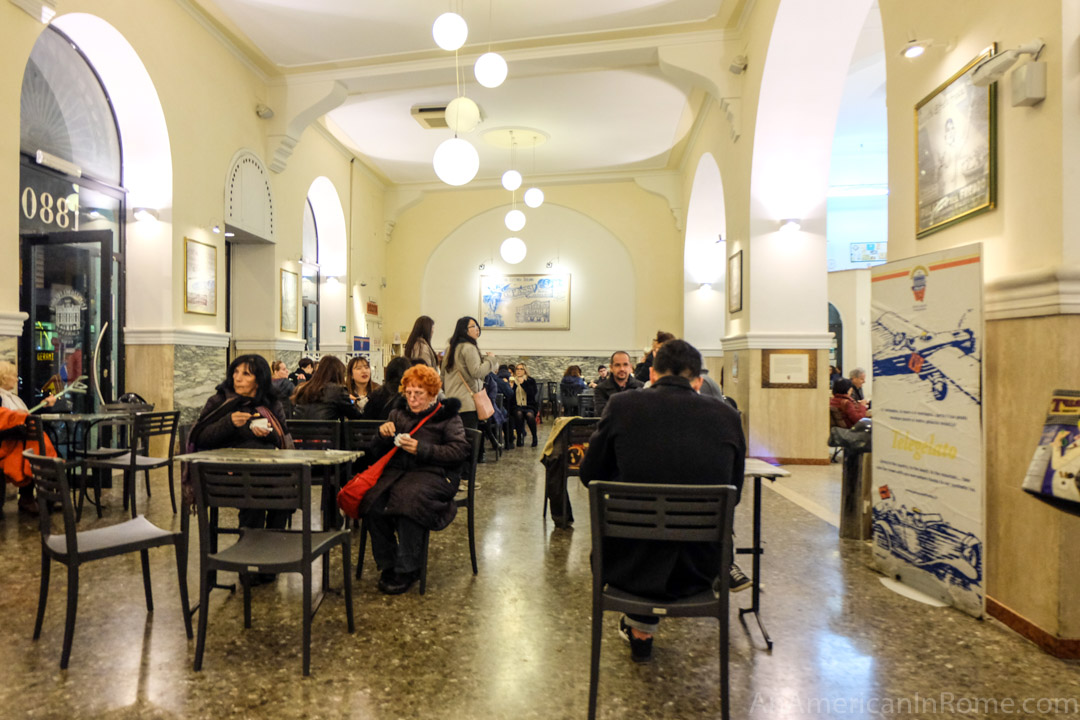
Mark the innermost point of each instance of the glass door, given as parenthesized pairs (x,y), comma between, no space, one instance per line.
(67,289)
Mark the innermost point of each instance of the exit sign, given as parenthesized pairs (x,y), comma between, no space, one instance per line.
(342,328)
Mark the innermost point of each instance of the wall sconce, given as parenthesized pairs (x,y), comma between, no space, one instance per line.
(331,280)
(705,285)
(216,229)
(790,225)
(914,48)
(738,65)
(143,214)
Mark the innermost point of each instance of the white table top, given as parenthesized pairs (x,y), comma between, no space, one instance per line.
(260,455)
(760,468)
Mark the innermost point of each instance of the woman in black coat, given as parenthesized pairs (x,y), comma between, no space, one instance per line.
(527,404)
(324,396)
(244,413)
(416,490)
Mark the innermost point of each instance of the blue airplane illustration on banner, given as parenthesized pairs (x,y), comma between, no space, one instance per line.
(942,358)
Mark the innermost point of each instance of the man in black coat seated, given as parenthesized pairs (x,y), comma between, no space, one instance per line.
(665,434)
(619,379)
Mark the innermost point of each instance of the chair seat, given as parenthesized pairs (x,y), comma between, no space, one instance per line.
(101,453)
(269,548)
(134,532)
(122,462)
(616,599)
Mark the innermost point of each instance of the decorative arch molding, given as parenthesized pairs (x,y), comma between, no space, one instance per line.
(296,106)
(669,186)
(249,199)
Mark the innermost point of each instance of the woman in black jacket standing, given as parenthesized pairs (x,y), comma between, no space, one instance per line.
(324,396)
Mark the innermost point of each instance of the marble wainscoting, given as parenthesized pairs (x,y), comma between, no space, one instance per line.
(291,358)
(197,371)
(552,367)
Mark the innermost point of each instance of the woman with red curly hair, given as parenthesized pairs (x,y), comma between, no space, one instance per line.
(416,491)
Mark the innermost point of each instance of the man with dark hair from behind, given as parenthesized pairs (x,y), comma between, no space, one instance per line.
(672,435)
(617,380)
(641,372)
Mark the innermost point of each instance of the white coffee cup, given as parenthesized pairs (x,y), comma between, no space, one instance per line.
(261,423)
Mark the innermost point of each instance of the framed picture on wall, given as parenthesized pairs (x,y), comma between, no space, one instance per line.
(525,302)
(955,151)
(200,277)
(734,283)
(789,368)
(289,301)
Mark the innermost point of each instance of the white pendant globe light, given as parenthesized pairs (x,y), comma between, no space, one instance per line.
(456,161)
(450,31)
(511,180)
(462,115)
(490,70)
(513,250)
(515,220)
(534,197)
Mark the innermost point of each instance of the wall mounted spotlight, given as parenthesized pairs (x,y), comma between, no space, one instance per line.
(482,266)
(914,48)
(790,225)
(264,111)
(143,214)
(738,65)
(993,68)
(216,229)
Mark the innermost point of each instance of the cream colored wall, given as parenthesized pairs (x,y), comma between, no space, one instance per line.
(791,425)
(1031,555)
(849,291)
(367,254)
(208,97)
(640,220)
(1025,231)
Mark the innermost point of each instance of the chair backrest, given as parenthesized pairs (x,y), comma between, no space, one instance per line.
(148,425)
(476,441)
(50,480)
(359,434)
(587,402)
(316,434)
(836,418)
(500,401)
(577,433)
(254,486)
(673,513)
(35,431)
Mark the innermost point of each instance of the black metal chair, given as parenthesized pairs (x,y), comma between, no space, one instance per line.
(263,487)
(467,501)
(360,434)
(322,435)
(661,513)
(551,398)
(144,426)
(577,433)
(111,436)
(587,404)
(73,549)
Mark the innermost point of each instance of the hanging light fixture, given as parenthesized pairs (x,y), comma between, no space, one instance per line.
(456,161)
(462,115)
(513,250)
(490,68)
(515,220)
(450,31)
(534,197)
(511,180)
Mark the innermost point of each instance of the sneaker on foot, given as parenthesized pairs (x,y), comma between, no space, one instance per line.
(640,650)
(739,581)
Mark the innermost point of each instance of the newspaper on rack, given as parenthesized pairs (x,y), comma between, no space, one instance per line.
(1055,469)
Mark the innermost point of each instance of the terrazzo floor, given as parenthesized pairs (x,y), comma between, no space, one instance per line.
(513,641)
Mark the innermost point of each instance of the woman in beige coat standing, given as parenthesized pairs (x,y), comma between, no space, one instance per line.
(465,367)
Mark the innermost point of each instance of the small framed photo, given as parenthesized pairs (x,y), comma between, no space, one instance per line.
(956,151)
(200,277)
(289,301)
(734,283)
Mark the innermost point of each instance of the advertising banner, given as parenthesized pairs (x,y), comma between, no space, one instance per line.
(929,486)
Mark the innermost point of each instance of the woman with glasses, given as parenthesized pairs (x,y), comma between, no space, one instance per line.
(416,491)
(527,403)
(464,369)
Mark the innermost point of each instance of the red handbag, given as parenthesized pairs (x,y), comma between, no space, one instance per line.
(349,497)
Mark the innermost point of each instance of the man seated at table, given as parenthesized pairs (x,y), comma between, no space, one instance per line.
(667,434)
(619,379)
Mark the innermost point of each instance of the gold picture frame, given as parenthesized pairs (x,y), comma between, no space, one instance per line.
(955,151)
(200,277)
(789,368)
(734,283)
(290,315)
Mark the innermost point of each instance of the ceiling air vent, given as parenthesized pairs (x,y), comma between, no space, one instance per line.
(431,117)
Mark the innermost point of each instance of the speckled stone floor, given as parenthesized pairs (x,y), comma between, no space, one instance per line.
(513,641)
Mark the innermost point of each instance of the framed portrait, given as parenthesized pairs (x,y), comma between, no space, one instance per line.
(200,277)
(734,283)
(955,151)
(789,368)
(289,301)
(525,302)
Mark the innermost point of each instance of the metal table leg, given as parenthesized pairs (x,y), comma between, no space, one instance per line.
(756,551)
